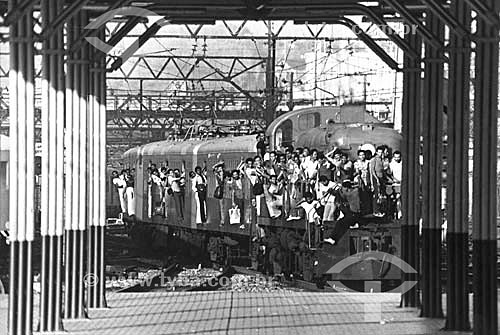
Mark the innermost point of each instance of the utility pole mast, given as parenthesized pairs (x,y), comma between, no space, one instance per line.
(315,72)
(270,75)
(290,92)
(364,89)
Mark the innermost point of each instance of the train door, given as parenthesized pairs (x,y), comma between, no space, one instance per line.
(4,194)
(284,134)
(140,189)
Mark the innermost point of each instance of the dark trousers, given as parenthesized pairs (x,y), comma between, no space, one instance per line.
(275,257)
(378,189)
(202,196)
(179,204)
(338,229)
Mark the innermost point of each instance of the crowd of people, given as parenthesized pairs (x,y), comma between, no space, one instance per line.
(292,183)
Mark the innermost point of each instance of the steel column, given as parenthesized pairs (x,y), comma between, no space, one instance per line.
(96,291)
(432,169)
(457,185)
(22,182)
(102,184)
(69,172)
(52,196)
(410,185)
(84,167)
(484,215)
(76,188)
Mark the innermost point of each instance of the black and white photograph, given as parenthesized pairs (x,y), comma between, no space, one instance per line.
(249,167)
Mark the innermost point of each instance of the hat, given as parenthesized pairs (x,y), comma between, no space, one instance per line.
(368,147)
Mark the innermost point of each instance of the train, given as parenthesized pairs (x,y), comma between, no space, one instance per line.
(324,128)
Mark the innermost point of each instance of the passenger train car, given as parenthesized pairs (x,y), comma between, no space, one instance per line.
(322,128)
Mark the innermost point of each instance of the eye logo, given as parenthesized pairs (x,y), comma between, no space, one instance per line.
(108,16)
(382,257)
(373,307)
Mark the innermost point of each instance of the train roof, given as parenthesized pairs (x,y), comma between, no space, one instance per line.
(345,114)
(244,143)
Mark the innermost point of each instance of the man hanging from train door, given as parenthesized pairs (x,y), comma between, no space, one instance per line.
(120,184)
(199,187)
(129,191)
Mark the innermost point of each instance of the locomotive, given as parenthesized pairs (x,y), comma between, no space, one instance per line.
(346,128)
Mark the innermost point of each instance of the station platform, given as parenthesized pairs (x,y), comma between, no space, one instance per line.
(226,312)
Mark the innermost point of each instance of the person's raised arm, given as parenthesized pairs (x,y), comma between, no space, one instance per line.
(241,165)
(204,168)
(330,153)
(330,159)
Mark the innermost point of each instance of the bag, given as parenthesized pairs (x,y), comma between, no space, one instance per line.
(382,202)
(248,214)
(258,188)
(219,192)
(201,188)
(234,215)
(169,191)
(159,210)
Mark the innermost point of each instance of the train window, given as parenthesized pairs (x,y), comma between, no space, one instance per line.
(308,121)
(284,134)
(4,176)
(279,138)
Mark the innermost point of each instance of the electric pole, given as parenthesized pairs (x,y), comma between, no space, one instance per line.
(270,75)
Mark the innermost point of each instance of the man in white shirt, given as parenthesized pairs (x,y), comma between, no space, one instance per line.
(199,188)
(310,206)
(120,184)
(310,167)
(396,167)
(325,193)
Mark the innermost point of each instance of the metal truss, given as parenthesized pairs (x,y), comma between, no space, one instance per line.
(227,70)
(170,67)
(177,110)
